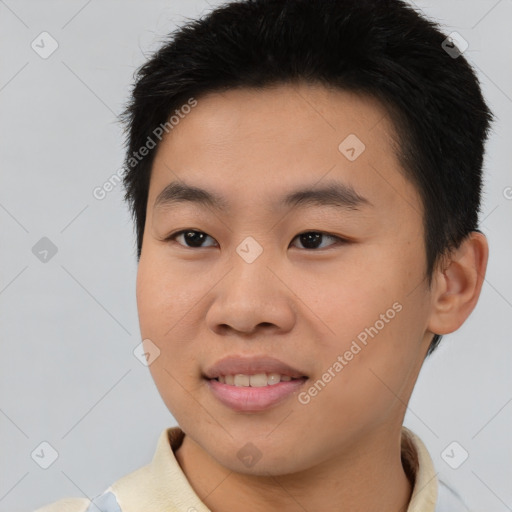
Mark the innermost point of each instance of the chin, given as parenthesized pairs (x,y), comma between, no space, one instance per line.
(258,459)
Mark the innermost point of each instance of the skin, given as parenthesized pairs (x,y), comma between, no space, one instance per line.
(340,451)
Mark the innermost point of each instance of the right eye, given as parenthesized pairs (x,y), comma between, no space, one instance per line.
(192,236)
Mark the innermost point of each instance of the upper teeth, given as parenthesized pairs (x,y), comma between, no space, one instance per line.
(258,380)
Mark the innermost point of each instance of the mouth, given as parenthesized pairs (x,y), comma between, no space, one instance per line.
(254,367)
(253,384)
(254,393)
(257,380)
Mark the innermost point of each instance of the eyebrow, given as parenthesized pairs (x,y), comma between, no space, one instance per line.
(332,193)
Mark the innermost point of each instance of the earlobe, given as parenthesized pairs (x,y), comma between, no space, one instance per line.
(458,283)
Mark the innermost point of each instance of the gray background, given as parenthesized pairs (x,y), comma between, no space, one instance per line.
(69,326)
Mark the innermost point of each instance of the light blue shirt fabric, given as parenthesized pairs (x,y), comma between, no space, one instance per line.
(448,500)
(105,502)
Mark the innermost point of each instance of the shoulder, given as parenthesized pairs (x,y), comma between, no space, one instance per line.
(66,505)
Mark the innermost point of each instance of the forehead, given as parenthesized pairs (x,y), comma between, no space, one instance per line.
(259,144)
(281,115)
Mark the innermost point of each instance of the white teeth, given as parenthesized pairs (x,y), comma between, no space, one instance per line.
(273,378)
(242,380)
(256,381)
(259,380)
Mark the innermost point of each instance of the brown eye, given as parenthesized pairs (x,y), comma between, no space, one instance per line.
(192,238)
(313,239)
(310,240)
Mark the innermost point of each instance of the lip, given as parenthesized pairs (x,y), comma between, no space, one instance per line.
(232,365)
(249,399)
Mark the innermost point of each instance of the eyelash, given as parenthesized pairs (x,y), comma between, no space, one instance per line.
(339,241)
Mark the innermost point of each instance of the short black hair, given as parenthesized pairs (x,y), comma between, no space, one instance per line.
(385,49)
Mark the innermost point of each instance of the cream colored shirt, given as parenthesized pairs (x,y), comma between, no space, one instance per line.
(161,485)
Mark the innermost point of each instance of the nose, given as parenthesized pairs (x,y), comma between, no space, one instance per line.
(253,296)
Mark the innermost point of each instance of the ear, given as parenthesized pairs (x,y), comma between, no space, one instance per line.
(457,284)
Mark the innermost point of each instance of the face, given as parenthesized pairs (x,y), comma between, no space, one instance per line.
(331,285)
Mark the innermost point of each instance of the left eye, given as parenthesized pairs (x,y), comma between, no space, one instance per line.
(310,239)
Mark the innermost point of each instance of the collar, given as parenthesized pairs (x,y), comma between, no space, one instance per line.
(162,485)
(420,470)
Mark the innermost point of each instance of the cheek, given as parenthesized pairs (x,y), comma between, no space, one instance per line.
(168,307)
(148,299)
(373,325)
(164,298)
(348,299)
(376,325)
(373,382)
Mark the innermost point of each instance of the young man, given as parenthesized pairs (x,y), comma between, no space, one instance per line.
(306,205)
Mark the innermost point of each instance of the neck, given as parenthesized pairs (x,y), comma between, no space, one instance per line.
(370,478)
